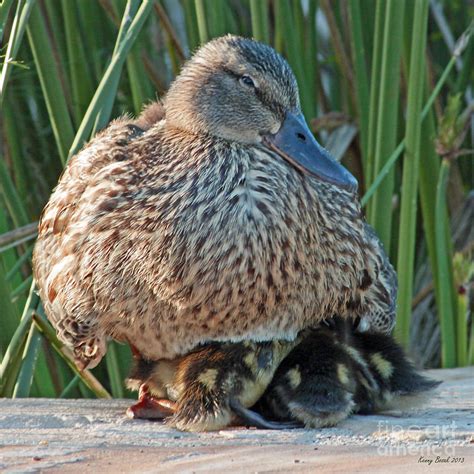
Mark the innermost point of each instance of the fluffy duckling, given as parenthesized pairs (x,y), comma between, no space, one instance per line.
(334,372)
(216,218)
(316,381)
(210,387)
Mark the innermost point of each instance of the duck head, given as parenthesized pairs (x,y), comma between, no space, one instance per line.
(243,91)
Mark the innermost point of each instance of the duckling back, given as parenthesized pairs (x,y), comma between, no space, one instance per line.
(337,371)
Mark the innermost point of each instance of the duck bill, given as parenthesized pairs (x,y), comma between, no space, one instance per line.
(296,144)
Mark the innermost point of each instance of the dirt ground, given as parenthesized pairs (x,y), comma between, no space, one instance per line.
(41,435)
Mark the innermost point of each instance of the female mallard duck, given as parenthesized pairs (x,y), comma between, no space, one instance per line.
(215,216)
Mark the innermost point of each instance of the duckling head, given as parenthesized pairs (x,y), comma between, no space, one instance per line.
(242,91)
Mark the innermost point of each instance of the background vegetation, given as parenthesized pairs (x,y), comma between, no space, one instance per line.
(387,85)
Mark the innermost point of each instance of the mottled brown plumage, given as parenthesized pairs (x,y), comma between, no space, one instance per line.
(186,226)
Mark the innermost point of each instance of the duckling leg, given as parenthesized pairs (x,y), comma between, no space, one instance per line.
(135,352)
(150,407)
(146,377)
(252,418)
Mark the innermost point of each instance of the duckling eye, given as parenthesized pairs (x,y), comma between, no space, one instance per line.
(247,81)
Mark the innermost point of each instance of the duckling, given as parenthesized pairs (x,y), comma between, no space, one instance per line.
(208,388)
(215,216)
(316,381)
(334,372)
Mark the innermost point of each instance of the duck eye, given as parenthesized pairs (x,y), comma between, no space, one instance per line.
(247,81)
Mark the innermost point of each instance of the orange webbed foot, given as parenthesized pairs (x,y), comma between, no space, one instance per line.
(150,407)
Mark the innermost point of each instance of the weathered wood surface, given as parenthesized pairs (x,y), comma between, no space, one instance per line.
(39,435)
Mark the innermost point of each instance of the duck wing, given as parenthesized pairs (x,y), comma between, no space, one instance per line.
(57,266)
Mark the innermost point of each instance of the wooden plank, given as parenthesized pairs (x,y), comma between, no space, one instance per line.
(91,435)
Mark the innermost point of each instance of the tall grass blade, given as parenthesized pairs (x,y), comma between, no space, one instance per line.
(104,107)
(9,362)
(444,259)
(12,199)
(191,24)
(51,86)
(173,35)
(71,386)
(293,52)
(20,20)
(341,55)
(4,11)
(79,74)
(9,311)
(311,59)
(28,363)
(86,376)
(99,109)
(201,21)
(406,248)
(116,382)
(374,90)
(361,76)
(14,138)
(256,14)
(463,274)
(21,288)
(22,260)
(387,118)
(142,91)
(401,146)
